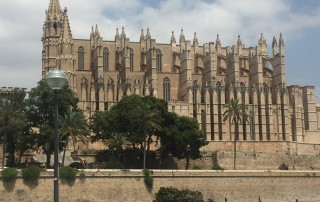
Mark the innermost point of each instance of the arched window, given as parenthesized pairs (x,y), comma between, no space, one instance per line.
(80,58)
(84,89)
(159,61)
(243,101)
(105,59)
(203,123)
(166,89)
(266,97)
(131,60)
(219,92)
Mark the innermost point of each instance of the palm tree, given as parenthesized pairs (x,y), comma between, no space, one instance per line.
(10,116)
(147,120)
(116,142)
(235,113)
(72,125)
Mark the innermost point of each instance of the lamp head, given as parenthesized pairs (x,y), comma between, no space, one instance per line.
(56,79)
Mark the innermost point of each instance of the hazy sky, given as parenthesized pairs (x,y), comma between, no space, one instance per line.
(21,23)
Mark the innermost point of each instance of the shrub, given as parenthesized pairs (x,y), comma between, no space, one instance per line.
(217,167)
(82,175)
(67,173)
(113,164)
(31,173)
(146,172)
(9,174)
(283,166)
(148,179)
(196,167)
(171,194)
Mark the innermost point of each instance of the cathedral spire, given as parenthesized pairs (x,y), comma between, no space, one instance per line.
(97,31)
(274,46)
(117,36)
(281,45)
(54,10)
(182,38)
(92,31)
(195,40)
(148,36)
(123,34)
(66,35)
(218,43)
(262,42)
(281,42)
(239,42)
(142,38)
(274,42)
(173,38)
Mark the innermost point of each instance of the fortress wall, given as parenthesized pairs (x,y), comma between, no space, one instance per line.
(247,161)
(128,185)
(271,147)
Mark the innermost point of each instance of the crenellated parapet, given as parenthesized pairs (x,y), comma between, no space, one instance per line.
(6,92)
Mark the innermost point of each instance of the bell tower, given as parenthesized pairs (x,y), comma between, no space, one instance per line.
(51,33)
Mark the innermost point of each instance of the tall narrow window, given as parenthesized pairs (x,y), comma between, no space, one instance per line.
(219,92)
(243,101)
(105,60)
(80,58)
(166,89)
(204,123)
(131,60)
(159,61)
(266,95)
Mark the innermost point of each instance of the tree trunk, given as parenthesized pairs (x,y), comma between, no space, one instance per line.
(144,149)
(230,133)
(235,148)
(20,156)
(4,146)
(48,155)
(187,161)
(11,160)
(64,152)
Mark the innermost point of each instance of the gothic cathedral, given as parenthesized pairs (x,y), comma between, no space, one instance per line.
(195,80)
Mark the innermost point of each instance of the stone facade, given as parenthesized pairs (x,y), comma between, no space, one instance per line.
(5,92)
(128,186)
(195,80)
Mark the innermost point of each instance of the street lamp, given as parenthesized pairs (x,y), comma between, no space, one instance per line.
(56,79)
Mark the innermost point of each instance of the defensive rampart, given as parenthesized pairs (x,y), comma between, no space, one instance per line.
(128,185)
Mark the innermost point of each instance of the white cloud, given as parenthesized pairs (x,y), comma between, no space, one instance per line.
(21,24)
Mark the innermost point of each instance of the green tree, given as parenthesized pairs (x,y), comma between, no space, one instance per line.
(100,125)
(12,121)
(72,125)
(182,138)
(116,143)
(40,112)
(147,121)
(235,113)
(27,139)
(122,119)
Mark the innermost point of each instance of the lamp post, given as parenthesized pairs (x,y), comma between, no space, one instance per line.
(56,79)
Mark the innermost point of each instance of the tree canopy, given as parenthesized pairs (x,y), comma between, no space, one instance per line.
(40,112)
(12,124)
(140,118)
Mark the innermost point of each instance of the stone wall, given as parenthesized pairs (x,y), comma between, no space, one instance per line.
(128,185)
(246,161)
(271,147)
